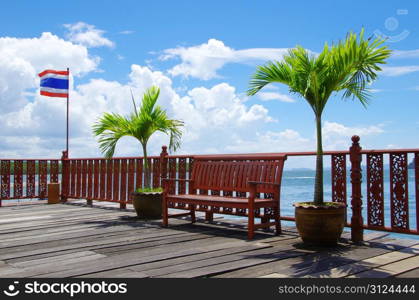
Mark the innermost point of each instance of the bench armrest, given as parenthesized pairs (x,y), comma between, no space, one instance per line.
(262,182)
(175,179)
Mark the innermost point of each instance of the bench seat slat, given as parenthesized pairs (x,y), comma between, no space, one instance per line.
(216,199)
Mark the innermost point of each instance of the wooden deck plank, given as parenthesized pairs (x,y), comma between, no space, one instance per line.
(59,222)
(75,240)
(239,248)
(321,260)
(53,259)
(118,273)
(236,247)
(213,265)
(125,260)
(409,274)
(390,270)
(89,244)
(367,264)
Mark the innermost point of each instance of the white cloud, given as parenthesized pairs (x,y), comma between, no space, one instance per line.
(338,136)
(376,90)
(126,32)
(331,129)
(20,64)
(212,116)
(287,140)
(271,87)
(398,71)
(405,53)
(203,61)
(268,96)
(87,35)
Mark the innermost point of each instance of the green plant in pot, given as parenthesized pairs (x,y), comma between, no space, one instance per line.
(142,123)
(347,68)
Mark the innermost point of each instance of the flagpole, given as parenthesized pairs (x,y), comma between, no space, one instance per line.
(68,95)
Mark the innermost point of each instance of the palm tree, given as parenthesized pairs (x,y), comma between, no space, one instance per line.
(348,67)
(141,124)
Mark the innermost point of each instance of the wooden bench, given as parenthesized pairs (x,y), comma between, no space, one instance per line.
(242,185)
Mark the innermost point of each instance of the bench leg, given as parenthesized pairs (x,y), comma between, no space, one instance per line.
(278,229)
(165,216)
(264,220)
(193,218)
(251,225)
(209,216)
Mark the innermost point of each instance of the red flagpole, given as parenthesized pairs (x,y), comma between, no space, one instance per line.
(68,94)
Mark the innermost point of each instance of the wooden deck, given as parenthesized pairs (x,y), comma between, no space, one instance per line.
(73,240)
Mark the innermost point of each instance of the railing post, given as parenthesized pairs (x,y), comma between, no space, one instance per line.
(357,231)
(64,176)
(163,164)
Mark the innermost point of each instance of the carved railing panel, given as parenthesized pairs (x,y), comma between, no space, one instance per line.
(399,191)
(5,179)
(339,178)
(182,175)
(30,178)
(18,178)
(42,178)
(54,170)
(375,189)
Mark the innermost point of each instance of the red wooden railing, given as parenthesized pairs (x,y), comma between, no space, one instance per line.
(27,178)
(115,179)
(398,182)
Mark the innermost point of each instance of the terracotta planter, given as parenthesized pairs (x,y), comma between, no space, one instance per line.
(320,225)
(148,205)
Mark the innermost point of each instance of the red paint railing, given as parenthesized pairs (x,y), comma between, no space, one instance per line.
(115,179)
(27,178)
(375,201)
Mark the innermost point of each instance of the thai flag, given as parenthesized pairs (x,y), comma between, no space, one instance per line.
(54,83)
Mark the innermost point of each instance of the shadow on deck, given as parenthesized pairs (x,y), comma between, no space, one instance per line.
(76,240)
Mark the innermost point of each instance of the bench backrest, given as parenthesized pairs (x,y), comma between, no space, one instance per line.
(225,173)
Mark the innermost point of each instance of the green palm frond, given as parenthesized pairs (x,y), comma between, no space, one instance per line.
(110,128)
(348,66)
(141,124)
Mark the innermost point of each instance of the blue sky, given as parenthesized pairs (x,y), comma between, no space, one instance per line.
(202,55)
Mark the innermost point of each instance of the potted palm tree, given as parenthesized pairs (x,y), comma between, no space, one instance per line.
(143,122)
(347,68)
